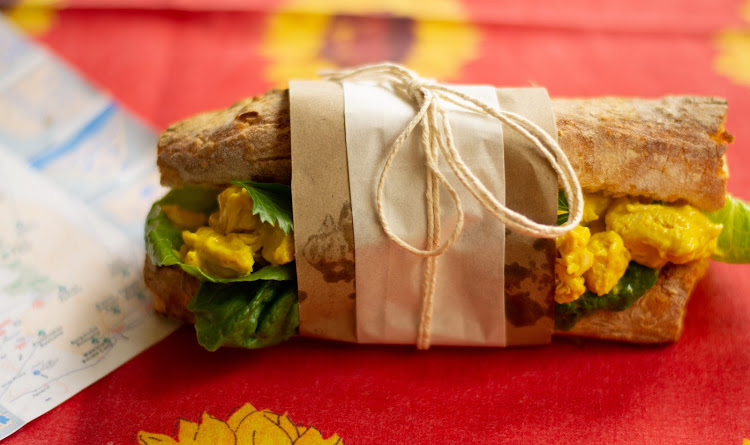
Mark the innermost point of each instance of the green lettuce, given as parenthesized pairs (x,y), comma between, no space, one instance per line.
(632,286)
(271,202)
(248,315)
(254,310)
(562,208)
(734,241)
(194,198)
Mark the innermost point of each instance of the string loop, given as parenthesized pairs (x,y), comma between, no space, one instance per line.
(437,139)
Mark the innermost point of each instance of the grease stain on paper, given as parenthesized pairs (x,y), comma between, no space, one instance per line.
(331,250)
(520,308)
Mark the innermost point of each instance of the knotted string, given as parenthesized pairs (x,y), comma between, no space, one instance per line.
(437,138)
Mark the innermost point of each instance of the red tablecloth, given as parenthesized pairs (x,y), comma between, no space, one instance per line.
(166,60)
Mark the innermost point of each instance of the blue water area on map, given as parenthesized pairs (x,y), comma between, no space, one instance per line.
(65,127)
(42,160)
(44,105)
(9,423)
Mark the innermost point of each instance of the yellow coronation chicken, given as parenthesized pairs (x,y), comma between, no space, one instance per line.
(611,258)
(220,255)
(658,234)
(184,218)
(594,206)
(234,239)
(651,234)
(574,260)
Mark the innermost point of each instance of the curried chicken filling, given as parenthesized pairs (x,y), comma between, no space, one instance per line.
(613,232)
(234,239)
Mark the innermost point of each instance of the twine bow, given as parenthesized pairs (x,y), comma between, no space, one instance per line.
(437,138)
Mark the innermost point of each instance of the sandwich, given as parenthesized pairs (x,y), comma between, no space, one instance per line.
(220,249)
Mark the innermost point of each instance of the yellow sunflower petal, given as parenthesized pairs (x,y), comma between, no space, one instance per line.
(260,428)
(733,58)
(298,44)
(287,425)
(245,426)
(238,416)
(311,436)
(145,438)
(186,431)
(213,431)
(35,19)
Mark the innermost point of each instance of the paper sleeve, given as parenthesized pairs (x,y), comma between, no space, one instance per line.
(490,291)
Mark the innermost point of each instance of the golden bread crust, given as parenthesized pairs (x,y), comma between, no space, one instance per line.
(249,140)
(657,317)
(668,149)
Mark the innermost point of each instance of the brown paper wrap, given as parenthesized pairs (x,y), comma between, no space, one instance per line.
(324,229)
(532,191)
(323,233)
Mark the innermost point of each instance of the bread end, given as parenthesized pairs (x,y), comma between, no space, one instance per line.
(655,318)
(172,288)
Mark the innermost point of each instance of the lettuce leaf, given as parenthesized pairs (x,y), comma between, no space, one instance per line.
(734,241)
(248,315)
(251,311)
(194,198)
(562,208)
(164,239)
(632,286)
(271,202)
